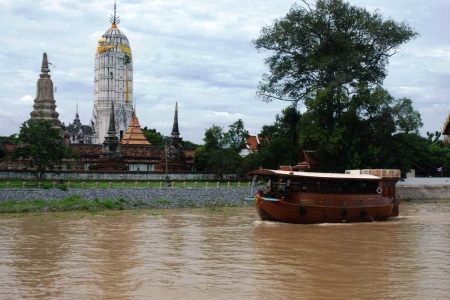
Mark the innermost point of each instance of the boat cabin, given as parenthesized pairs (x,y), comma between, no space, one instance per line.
(281,184)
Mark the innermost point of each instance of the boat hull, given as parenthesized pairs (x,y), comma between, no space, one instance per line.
(313,214)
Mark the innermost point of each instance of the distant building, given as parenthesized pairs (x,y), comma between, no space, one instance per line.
(78,133)
(250,146)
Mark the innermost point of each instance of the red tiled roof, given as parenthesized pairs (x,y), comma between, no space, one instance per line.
(252,142)
(134,134)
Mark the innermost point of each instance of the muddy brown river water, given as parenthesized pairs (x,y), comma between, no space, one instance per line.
(225,253)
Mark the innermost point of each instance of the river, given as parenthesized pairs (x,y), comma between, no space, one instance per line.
(223,253)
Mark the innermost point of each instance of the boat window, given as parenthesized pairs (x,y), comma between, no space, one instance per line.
(327,186)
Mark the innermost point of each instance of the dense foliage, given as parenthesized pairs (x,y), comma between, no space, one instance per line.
(157,139)
(220,153)
(41,146)
(154,137)
(334,45)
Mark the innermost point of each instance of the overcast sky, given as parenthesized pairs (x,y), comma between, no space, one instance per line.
(194,52)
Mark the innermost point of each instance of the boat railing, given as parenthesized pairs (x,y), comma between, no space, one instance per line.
(382,173)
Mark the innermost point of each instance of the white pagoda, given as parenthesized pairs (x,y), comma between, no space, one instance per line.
(113,82)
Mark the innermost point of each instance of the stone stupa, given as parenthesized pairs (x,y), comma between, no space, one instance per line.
(44,107)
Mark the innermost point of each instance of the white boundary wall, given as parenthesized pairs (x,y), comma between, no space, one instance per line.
(87,176)
(415,181)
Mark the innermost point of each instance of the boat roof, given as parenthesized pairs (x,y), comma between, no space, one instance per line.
(292,174)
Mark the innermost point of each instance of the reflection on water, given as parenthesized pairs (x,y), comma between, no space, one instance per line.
(223,254)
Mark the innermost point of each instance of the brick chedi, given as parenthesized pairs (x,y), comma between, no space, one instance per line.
(111,145)
(111,158)
(175,158)
(44,107)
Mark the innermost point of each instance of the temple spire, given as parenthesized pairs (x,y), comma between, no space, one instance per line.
(112,121)
(114,19)
(44,68)
(175,131)
(111,144)
(44,107)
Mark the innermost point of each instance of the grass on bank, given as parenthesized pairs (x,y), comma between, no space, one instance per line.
(18,184)
(74,203)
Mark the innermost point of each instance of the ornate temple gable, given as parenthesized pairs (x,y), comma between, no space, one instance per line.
(113,81)
(44,107)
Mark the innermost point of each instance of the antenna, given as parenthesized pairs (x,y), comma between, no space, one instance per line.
(113,19)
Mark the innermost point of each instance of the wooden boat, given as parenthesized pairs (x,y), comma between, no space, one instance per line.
(310,197)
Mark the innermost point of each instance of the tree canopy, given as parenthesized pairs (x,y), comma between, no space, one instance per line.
(331,45)
(285,126)
(219,154)
(158,139)
(332,58)
(41,146)
(154,137)
(235,137)
(358,131)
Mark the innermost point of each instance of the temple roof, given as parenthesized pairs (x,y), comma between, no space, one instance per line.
(134,134)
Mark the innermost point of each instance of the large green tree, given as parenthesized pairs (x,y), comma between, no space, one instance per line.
(357,131)
(219,154)
(235,137)
(214,141)
(41,146)
(333,58)
(223,161)
(154,137)
(285,126)
(331,45)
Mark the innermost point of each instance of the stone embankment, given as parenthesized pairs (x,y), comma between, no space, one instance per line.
(185,197)
(141,197)
(423,192)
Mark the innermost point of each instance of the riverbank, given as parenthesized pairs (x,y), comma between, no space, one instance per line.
(423,192)
(33,200)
